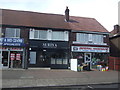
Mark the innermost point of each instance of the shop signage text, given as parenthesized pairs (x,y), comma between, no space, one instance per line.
(49,45)
(89,49)
(11,42)
(10,49)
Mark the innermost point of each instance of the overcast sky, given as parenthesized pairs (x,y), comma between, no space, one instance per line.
(105,11)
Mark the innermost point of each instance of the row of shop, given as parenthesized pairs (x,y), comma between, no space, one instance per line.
(49,54)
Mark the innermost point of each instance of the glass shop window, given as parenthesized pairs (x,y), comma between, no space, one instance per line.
(59,58)
(99,59)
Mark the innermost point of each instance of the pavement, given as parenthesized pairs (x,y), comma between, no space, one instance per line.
(12,78)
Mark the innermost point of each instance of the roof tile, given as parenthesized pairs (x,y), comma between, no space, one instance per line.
(44,20)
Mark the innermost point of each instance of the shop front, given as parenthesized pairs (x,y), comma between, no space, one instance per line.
(49,54)
(11,52)
(91,56)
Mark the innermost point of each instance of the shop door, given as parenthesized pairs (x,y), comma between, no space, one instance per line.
(87,57)
(5,59)
(44,60)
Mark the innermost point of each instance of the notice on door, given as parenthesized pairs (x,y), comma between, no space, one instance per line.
(18,56)
(12,56)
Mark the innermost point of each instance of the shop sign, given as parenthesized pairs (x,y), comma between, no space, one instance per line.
(11,42)
(11,49)
(49,45)
(90,49)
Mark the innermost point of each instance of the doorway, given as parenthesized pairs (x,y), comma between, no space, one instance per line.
(5,59)
(44,59)
(87,57)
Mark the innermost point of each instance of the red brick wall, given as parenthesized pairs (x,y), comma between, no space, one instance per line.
(114,63)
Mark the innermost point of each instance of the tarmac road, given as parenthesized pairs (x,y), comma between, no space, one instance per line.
(40,77)
(114,86)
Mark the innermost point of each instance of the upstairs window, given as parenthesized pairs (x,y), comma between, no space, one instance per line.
(57,35)
(85,38)
(12,33)
(49,35)
(38,34)
(82,37)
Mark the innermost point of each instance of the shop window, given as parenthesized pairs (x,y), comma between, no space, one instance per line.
(65,61)
(12,33)
(52,61)
(99,59)
(59,58)
(32,57)
(59,61)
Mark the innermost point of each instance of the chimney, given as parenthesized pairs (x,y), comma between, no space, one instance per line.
(116,29)
(67,14)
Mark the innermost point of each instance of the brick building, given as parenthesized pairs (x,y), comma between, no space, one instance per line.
(32,39)
(114,59)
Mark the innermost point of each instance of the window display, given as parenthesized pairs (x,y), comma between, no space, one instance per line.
(99,59)
(92,60)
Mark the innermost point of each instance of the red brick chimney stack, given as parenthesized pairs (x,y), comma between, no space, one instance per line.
(117,28)
(67,14)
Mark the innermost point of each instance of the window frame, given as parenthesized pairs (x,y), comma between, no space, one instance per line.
(90,38)
(49,35)
(16,30)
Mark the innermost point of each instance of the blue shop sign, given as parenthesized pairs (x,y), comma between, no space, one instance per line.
(11,42)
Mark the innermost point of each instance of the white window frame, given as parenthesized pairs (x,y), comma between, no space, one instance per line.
(49,33)
(15,34)
(87,38)
(59,38)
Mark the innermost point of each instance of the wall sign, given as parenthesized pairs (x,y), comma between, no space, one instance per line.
(49,45)
(10,49)
(90,49)
(11,42)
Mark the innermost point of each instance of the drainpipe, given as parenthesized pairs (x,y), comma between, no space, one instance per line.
(114,63)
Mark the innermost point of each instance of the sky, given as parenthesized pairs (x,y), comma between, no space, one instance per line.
(104,11)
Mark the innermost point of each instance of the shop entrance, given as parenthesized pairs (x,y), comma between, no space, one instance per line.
(5,59)
(44,59)
(11,59)
(87,57)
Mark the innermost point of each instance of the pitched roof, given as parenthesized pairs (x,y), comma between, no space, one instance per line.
(86,24)
(44,20)
(33,19)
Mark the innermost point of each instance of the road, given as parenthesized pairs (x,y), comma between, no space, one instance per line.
(40,78)
(114,86)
